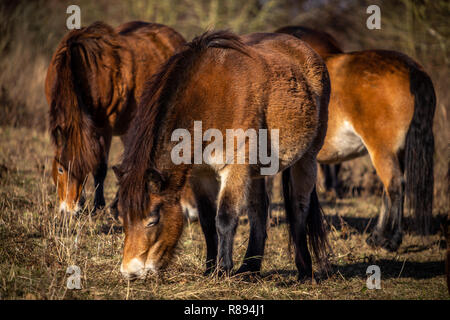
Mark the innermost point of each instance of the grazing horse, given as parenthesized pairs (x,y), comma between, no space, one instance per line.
(258,82)
(93,86)
(383,102)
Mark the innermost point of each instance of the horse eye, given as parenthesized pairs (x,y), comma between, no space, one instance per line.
(153,219)
(60,170)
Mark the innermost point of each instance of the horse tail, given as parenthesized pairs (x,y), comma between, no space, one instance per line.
(315,227)
(419,150)
(315,224)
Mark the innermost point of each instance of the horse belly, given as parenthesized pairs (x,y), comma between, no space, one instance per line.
(344,144)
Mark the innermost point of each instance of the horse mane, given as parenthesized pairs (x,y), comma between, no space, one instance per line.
(154,104)
(78,64)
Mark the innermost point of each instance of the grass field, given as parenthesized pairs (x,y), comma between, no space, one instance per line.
(37,245)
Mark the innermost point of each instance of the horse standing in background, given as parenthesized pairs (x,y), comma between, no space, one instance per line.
(261,82)
(382,102)
(93,86)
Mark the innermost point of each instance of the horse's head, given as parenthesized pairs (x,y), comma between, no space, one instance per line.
(69,182)
(70,189)
(151,230)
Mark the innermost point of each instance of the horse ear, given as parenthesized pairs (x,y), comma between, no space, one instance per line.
(155,180)
(117,172)
(59,137)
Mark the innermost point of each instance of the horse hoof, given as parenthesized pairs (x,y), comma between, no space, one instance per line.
(306,279)
(391,244)
(208,272)
(248,273)
(99,206)
(248,276)
(249,267)
(373,241)
(224,273)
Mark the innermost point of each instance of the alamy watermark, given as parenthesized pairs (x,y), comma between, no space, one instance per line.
(74,20)
(374,20)
(74,280)
(215,154)
(374,279)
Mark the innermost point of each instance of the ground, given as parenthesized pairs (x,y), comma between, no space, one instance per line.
(37,245)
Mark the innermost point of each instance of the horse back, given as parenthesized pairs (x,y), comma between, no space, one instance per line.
(105,70)
(279,84)
(322,42)
(146,47)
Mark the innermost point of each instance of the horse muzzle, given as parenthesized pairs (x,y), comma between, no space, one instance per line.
(136,269)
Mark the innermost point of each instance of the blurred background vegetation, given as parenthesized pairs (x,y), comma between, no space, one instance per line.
(31,30)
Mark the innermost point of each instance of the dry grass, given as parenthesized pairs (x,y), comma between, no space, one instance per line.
(37,246)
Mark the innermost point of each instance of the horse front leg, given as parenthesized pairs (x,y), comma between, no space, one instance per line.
(232,200)
(100,173)
(99,179)
(205,190)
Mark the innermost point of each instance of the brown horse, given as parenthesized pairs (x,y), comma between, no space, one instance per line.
(383,103)
(257,82)
(93,85)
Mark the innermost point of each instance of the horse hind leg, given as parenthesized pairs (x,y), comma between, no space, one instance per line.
(388,231)
(257,211)
(301,203)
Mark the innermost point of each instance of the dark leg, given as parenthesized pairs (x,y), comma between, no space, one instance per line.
(298,183)
(388,232)
(99,178)
(232,200)
(205,191)
(257,212)
(100,173)
(269,189)
(113,208)
(326,169)
(331,178)
(336,184)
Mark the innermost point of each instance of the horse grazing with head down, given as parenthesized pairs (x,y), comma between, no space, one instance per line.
(228,84)
(382,102)
(93,86)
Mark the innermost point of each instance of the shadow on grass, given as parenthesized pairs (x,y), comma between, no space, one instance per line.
(389,270)
(360,224)
(394,269)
